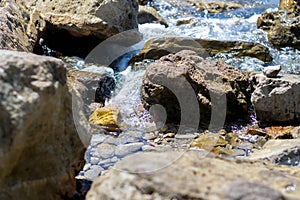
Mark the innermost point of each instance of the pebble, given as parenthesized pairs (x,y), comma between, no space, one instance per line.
(150,136)
(148,148)
(104,162)
(86,166)
(125,149)
(185,136)
(95,160)
(115,159)
(93,172)
(169,135)
(272,71)
(106,150)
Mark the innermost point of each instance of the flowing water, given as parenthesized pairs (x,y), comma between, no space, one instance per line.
(236,25)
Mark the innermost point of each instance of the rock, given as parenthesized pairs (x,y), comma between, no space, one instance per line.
(75,27)
(282,26)
(93,172)
(158,47)
(40,149)
(276,101)
(83,86)
(148,14)
(184,21)
(144,2)
(283,152)
(272,71)
(214,84)
(106,150)
(216,7)
(195,177)
(126,149)
(13,33)
(107,117)
(288,5)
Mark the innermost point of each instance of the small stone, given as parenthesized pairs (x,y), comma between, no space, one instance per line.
(169,135)
(150,136)
(93,173)
(272,71)
(86,167)
(114,159)
(184,21)
(125,149)
(148,148)
(104,162)
(185,136)
(94,160)
(106,150)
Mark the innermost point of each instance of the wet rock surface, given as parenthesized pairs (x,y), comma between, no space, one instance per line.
(40,150)
(158,47)
(214,84)
(190,176)
(276,100)
(148,14)
(13,31)
(282,26)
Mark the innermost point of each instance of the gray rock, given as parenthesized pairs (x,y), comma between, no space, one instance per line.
(40,149)
(126,149)
(106,150)
(277,100)
(284,152)
(272,71)
(93,172)
(95,160)
(177,175)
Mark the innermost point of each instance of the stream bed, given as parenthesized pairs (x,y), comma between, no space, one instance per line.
(140,133)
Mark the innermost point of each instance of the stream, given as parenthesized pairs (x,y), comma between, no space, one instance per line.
(236,25)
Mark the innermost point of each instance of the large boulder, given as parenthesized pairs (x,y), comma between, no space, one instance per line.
(219,89)
(282,26)
(40,150)
(158,47)
(171,175)
(13,32)
(75,26)
(276,100)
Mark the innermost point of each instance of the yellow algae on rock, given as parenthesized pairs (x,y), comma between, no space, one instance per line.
(107,117)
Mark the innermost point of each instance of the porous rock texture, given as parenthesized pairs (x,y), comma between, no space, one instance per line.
(177,175)
(40,150)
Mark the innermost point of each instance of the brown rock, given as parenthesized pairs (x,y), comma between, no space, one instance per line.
(75,27)
(40,150)
(148,14)
(283,26)
(158,47)
(189,175)
(13,31)
(83,87)
(213,84)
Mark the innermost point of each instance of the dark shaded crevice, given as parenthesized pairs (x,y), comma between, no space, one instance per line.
(56,41)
